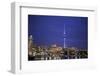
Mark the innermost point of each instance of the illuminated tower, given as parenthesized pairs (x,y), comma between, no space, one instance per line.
(30,45)
(64,37)
(30,41)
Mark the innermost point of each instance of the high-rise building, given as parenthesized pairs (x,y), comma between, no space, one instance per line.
(30,45)
(64,37)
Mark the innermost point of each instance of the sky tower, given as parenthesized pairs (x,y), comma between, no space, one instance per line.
(64,37)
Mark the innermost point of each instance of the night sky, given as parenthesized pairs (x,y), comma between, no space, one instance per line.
(48,30)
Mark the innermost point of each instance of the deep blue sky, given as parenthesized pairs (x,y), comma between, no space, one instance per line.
(48,30)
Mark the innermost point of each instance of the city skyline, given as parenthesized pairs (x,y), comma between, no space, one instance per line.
(65,31)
